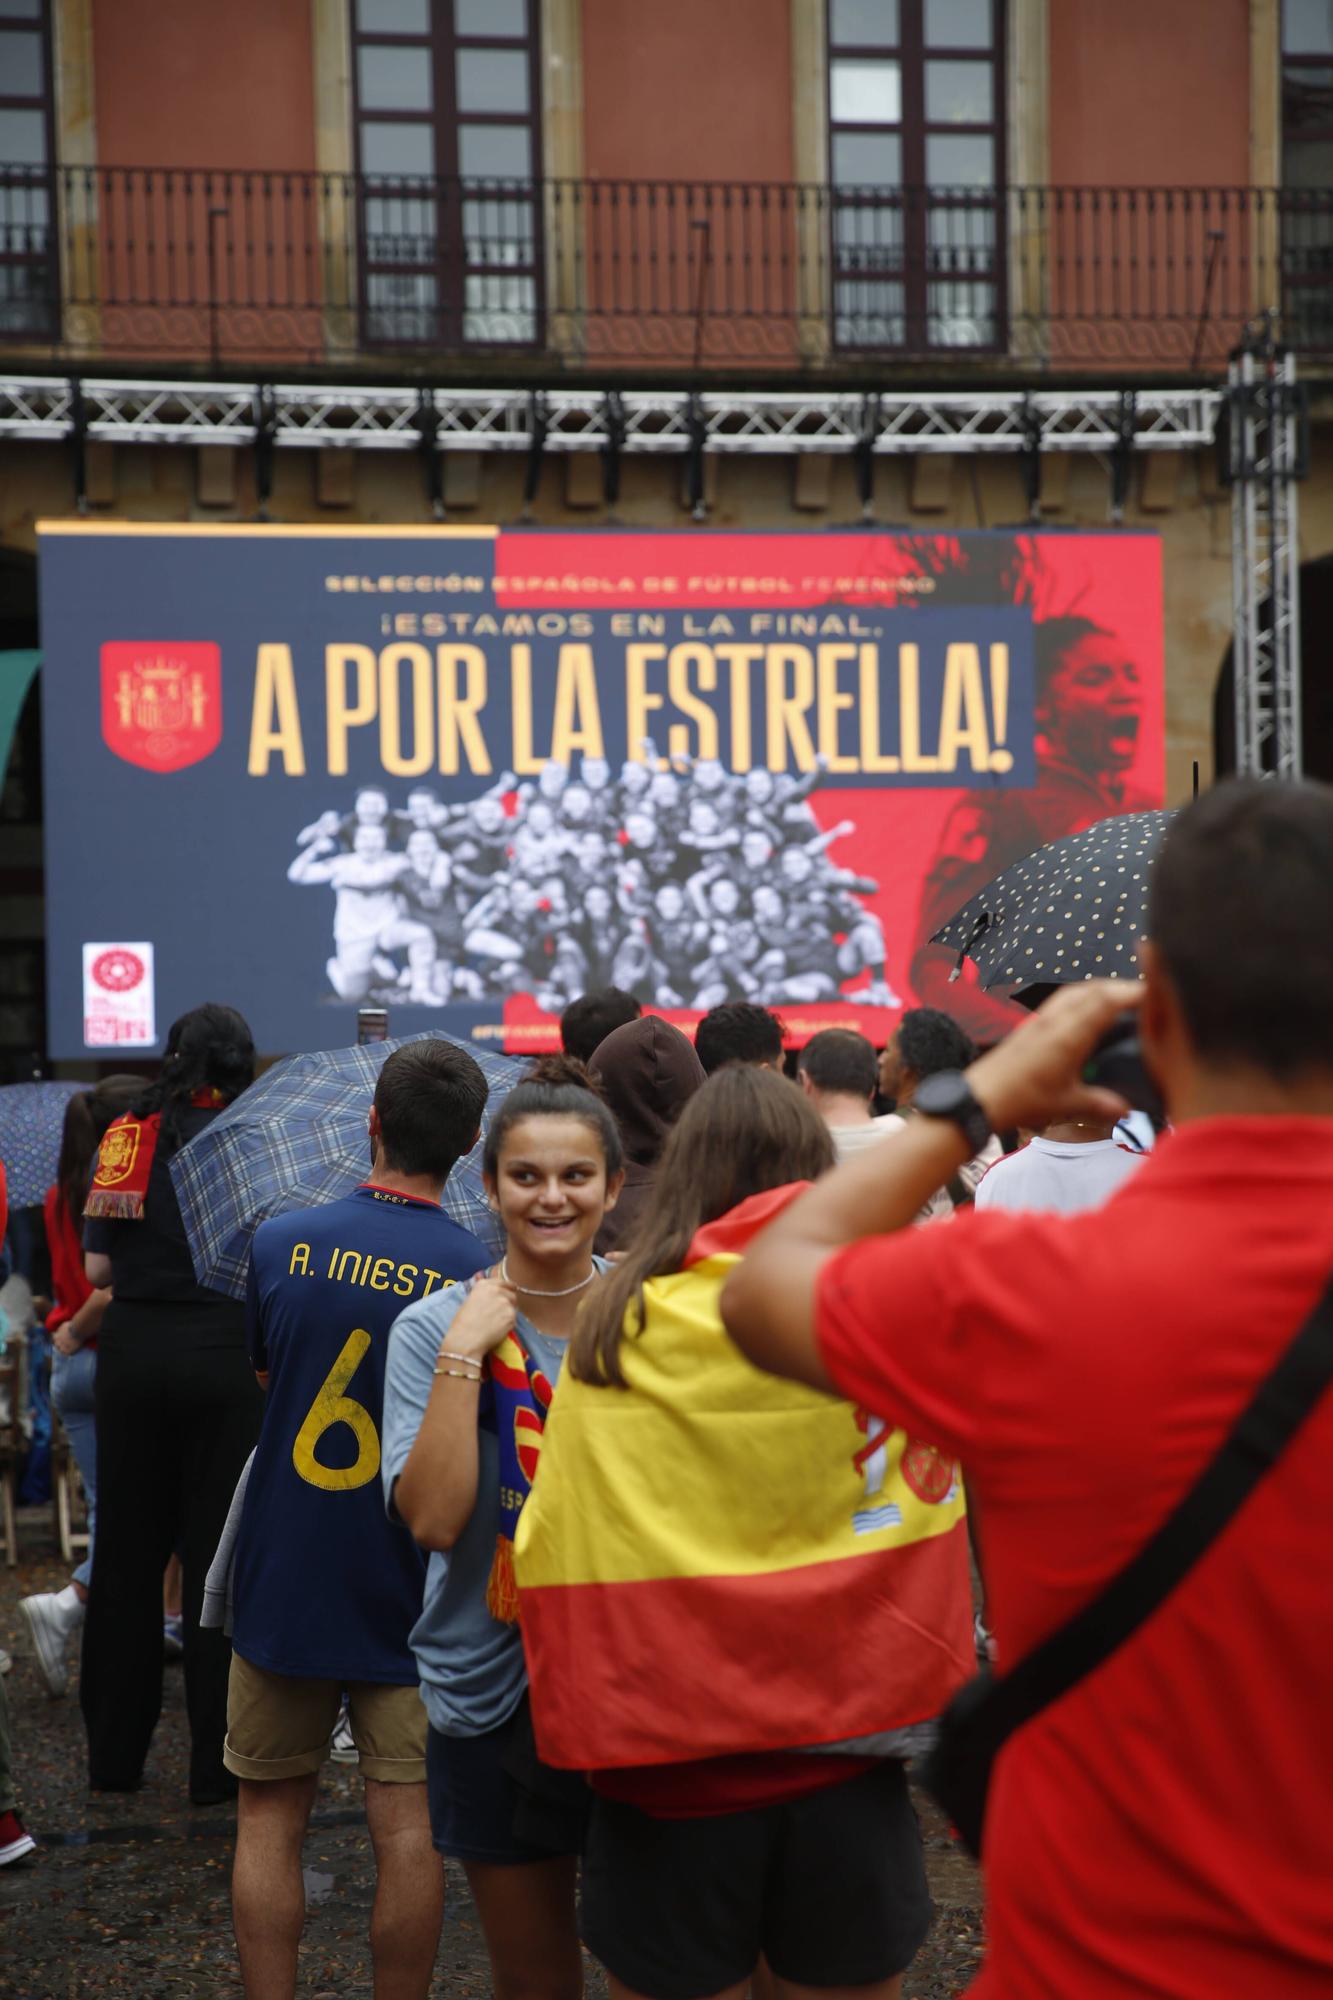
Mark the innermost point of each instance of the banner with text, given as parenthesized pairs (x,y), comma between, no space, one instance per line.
(467,774)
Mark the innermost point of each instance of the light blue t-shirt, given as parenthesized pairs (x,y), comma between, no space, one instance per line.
(471,1666)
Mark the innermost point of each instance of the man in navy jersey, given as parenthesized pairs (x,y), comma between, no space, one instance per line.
(326,1587)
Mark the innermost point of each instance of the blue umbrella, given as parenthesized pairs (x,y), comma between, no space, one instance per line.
(296,1138)
(31,1118)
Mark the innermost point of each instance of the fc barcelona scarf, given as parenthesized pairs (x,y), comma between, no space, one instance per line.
(521,1396)
(125,1160)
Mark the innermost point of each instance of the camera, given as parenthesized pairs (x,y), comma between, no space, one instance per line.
(1117,1064)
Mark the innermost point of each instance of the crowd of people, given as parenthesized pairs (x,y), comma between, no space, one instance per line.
(640,1559)
(688,883)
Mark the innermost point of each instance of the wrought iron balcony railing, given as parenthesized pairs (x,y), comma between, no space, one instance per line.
(209,268)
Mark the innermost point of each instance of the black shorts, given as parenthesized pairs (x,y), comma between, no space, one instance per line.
(492,1799)
(831,1889)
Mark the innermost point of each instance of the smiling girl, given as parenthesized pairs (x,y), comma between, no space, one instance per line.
(470,1375)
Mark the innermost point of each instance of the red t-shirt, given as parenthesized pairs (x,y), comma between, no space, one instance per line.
(1167,1829)
(712,1786)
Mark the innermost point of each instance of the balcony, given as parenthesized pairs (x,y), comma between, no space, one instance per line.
(207,271)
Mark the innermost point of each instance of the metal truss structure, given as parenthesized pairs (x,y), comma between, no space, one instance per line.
(565,420)
(1265,458)
(1258,420)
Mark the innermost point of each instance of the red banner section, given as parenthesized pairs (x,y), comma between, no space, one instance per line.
(1096,739)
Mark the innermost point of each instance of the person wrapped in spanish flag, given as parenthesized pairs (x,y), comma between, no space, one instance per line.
(742,1604)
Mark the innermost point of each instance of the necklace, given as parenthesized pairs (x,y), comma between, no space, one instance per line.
(534,1291)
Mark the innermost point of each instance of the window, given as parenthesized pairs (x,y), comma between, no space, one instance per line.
(28,268)
(1307,172)
(916,94)
(448,149)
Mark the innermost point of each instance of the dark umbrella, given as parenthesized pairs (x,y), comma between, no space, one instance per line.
(296,1138)
(32,1118)
(1074,910)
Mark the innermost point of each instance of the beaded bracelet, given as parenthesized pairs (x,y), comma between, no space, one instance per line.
(469,1361)
(462,1374)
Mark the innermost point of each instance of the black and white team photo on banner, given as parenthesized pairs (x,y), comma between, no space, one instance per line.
(682,881)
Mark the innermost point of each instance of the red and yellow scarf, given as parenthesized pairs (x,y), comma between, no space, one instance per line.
(125,1160)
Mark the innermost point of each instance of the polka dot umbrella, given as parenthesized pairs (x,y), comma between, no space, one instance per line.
(1073,910)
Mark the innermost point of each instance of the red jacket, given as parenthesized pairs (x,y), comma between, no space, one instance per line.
(65,1244)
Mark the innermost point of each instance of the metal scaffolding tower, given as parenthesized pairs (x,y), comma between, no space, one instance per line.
(1265,456)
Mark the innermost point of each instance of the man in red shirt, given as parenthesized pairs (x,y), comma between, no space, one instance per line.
(1165,1829)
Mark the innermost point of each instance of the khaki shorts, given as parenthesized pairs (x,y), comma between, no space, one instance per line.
(278,1726)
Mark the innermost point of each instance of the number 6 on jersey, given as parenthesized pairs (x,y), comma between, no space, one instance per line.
(332,1407)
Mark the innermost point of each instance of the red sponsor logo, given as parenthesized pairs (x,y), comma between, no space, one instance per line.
(118,970)
(162,701)
(107,1030)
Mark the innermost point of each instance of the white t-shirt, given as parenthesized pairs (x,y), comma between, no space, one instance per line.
(1059,1176)
(851,1139)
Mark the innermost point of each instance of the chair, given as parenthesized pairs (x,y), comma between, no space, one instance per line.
(67,1489)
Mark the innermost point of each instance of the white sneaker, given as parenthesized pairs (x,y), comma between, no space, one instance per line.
(342,1747)
(52,1618)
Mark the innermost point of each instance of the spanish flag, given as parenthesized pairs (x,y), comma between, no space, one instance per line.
(715,1562)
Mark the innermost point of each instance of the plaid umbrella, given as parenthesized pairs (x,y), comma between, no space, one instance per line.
(31,1118)
(296,1138)
(1074,910)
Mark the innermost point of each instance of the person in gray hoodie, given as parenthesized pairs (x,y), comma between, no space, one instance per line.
(647,1071)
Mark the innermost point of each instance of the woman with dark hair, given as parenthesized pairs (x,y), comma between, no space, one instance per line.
(470,1376)
(738,1606)
(178,1412)
(647,1070)
(53,1617)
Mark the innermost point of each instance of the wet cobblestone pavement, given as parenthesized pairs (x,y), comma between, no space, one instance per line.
(131,1895)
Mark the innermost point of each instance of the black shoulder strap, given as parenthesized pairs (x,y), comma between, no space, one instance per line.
(1280,1405)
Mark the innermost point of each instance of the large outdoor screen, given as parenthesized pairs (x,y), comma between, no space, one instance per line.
(466,774)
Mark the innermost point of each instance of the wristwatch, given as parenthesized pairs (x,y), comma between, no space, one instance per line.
(948,1094)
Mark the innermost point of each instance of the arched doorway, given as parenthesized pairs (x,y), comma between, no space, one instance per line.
(1316,588)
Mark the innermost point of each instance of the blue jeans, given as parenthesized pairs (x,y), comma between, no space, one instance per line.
(73,1381)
